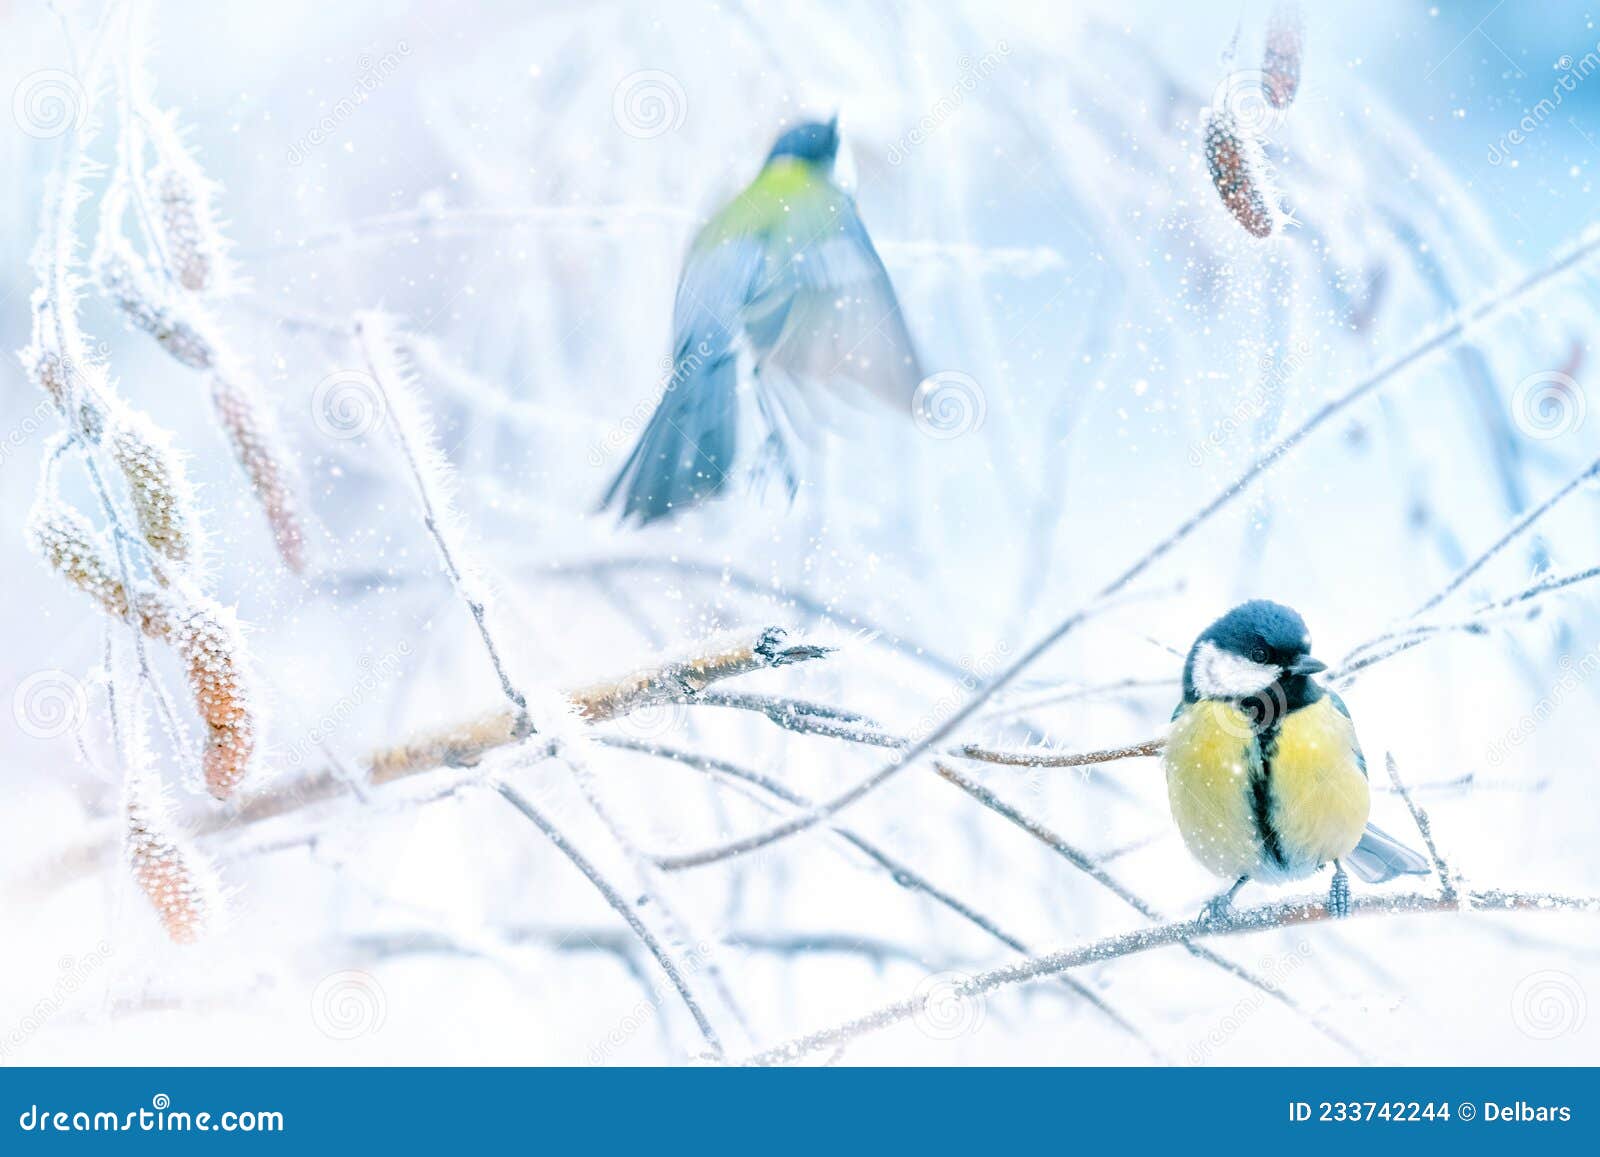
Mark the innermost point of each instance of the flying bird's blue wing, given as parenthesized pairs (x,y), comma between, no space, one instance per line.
(842,322)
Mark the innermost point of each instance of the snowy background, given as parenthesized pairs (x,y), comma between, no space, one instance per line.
(516,188)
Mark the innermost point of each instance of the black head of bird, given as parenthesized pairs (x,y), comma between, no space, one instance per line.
(1254,647)
(816,143)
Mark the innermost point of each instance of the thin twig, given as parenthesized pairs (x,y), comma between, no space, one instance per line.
(901,872)
(378,368)
(1447,885)
(620,906)
(1307,910)
(1096,872)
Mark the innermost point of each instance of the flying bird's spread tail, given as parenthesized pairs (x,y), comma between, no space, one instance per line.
(1379,857)
(686,451)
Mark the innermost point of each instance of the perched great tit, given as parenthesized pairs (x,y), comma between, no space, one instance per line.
(1264,773)
(787,274)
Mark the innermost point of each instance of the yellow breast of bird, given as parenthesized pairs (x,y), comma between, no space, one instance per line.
(1212,761)
(1270,818)
(1319,793)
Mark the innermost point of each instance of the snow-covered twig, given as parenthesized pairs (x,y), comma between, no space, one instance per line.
(1447,884)
(679,680)
(901,872)
(1097,872)
(619,905)
(1289,913)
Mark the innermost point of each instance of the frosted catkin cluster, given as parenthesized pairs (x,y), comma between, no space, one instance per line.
(244,419)
(163,499)
(206,637)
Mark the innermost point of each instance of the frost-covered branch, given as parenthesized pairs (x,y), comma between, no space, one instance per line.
(1290,913)
(677,681)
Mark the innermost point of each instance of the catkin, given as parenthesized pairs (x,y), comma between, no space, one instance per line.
(1239,171)
(71,548)
(192,244)
(61,380)
(255,445)
(1280,63)
(163,500)
(129,286)
(207,640)
(173,876)
(205,637)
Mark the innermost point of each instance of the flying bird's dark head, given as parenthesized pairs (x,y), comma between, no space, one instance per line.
(816,143)
(1249,649)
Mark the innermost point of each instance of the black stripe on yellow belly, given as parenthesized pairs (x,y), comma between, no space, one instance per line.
(1261,797)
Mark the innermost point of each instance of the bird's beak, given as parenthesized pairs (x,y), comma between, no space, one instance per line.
(1305,665)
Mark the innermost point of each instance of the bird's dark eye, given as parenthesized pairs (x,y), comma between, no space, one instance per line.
(1258,654)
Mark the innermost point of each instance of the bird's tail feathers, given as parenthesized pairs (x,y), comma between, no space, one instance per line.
(1379,857)
(686,452)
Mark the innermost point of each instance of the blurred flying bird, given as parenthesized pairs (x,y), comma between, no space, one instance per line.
(786,276)
(1264,773)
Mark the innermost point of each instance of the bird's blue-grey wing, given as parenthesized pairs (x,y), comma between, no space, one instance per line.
(1338,705)
(841,322)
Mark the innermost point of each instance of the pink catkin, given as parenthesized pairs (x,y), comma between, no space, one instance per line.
(254,444)
(208,643)
(172,876)
(1239,171)
(1280,63)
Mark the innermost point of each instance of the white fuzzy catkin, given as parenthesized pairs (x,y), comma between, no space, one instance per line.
(173,876)
(72,548)
(126,281)
(163,499)
(1280,63)
(63,382)
(1238,169)
(250,431)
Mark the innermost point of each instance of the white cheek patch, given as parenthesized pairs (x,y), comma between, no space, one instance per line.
(1220,674)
